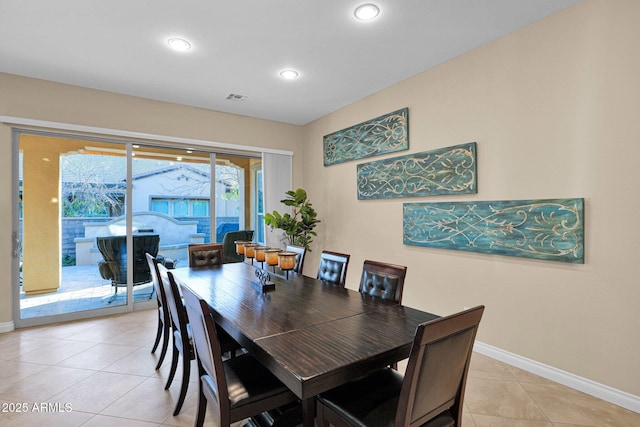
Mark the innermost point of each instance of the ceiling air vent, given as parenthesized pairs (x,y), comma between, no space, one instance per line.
(236,97)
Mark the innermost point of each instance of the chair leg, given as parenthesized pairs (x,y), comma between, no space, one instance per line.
(202,406)
(174,366)
(158,334)
(186,372)
(320,418)
(165,345)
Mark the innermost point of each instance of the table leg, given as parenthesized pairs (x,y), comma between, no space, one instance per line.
(308,412)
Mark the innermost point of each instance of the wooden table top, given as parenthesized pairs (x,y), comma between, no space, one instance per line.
(312,336)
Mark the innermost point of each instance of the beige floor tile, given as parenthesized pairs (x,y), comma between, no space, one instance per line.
(12,371)
(43,385)
(485,367)
(467,421)
(100,333)
(136,336)
(138,362)
(105,421)
(99,356)
(17,345)
(52,354)
(148,401)
(488,421)
(57,419)
(95,393)
(564,405)
(501,398)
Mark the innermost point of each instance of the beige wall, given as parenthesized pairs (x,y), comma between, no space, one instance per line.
(554,110)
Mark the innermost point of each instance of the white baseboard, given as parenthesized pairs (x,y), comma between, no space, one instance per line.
(601,391)
(7,327)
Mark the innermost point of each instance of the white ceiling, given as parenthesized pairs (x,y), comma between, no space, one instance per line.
(240,46)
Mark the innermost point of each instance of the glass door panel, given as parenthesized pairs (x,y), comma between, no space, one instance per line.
(170,200)
(71,198)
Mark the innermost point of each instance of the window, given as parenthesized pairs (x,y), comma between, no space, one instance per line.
(180,207)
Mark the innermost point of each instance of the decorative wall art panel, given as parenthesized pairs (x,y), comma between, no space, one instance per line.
(450,170)
(544,229)
(385,134)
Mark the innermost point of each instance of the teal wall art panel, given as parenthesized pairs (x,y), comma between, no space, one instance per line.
(551,229)
(385,134)
(450,170)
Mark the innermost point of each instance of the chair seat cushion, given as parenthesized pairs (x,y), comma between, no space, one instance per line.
(247,381)
(373,401)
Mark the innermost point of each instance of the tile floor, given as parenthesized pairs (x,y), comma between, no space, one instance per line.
(99,372)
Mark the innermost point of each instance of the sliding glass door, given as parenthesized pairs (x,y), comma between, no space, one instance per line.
(81,254)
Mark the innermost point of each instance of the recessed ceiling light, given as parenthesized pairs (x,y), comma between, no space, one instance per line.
(367,12)
(179,44)
(289,74)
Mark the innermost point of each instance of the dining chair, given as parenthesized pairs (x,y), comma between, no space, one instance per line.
(333,268)
(429,394)
(300,254)
(164,318)
(182,339)
(236,388)
(383,280)
(206,254)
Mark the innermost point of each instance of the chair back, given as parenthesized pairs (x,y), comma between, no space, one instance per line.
(300,253)
(179,319)
(383,280)
(157,286)
(201,255)
(229,245)
(114,251)
(436,373)
(333,268)
(207,347)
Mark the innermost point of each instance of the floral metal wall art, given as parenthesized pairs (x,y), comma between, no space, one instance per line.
(450,170)
(385,134)
(550,229)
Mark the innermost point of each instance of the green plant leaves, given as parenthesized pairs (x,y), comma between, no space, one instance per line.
(299,225)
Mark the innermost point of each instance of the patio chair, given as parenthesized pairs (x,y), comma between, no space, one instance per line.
(431,392)
(229,245)
(114,252)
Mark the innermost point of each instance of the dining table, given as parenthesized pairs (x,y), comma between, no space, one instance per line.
(311,335)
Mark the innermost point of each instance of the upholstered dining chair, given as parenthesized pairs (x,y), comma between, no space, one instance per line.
(333,268)
(430,393)
(182,339)
(236,388)
(164,318)
(383,280)
(300,254)
(206,254)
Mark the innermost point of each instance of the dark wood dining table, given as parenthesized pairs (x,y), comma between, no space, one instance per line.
(312,336)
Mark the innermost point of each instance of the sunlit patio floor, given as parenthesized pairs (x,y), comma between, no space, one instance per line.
(82,288)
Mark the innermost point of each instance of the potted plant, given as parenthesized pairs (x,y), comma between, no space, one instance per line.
(298,226)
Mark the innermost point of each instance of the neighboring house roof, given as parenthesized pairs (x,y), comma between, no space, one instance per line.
(113,169)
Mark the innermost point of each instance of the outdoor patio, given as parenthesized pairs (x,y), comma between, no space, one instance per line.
(81,289)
